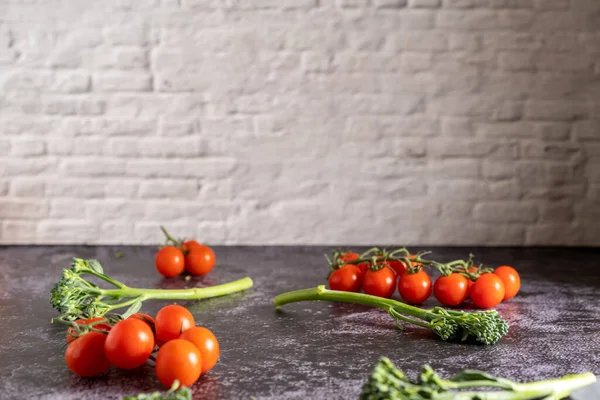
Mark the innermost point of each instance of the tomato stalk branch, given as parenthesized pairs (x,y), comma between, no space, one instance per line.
(75,297)
(485,327)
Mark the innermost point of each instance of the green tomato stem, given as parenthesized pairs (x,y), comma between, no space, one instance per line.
(178,294)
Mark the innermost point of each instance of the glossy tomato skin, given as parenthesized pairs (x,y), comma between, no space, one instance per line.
(206,342)
(71,332)
(171,321)
(487,291)
(188,245)
(169,261)
(347,257)
(511,279)
(85,356)
(200,260)
(129,343)
(148,320)
(346,278)
(380,283)
(398,266)
(178,360)
(451,290)
(415,288)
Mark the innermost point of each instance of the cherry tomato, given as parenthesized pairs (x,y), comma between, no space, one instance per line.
(398,266)
(171,321)
(380,283)
(71,332)
(346,278)
(200,260)
(363,267)
(469,281)
(188,245)
(487,291)
(178,360)
(347,257)
(85,356)
(415,288)
(148,320)
(511,279)
(206,342)
(451,290)
(129,343)
(169,261)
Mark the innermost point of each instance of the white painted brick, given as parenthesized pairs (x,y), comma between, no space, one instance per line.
(553,110)
(421,41)
(33,166)
(118,229)
(3,188)
(352,3)
(71,82)
(197,168)
(456,168)
(117,57)
(506,211)
(22,209)
(556,151)
(285,4)
(504,130)
(106,209)
(552,4)
(110,126)
(554,234)
(130,147)
(122,82)
(556,212)
(93,167)
(517,61)
(5,146)
(587,130)
(152,189)
(553,131)
(389,3)
(67,231)
(120,188)
(67,209)
(27,187)
(178,126)
(498,169)
(455,147)
(424,3)
(457,127)
(465,190)
(504,190)
(18,231)
(132,34)
(27,147)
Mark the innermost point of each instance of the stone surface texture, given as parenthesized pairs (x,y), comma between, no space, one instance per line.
(314,350)
(224,118)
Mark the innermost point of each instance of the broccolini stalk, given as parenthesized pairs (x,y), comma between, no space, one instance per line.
(387,382)
(75,297)
(485,327)
(175,393)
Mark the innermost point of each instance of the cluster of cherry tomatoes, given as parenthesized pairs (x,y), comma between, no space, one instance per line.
(188,256)
(183,351)
(414,285)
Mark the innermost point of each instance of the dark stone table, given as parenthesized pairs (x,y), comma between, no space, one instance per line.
(313,350)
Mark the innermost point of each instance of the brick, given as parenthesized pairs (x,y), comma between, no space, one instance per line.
(34,166)
(71,82)
(513,85)
(475,106)
(456,209)
(498,169)
(18,231)
(424,3)
(506,211)
(464,42)
(473,20)
(555,151)
(110,126)
(352,3)
(122,82)
(554,110)
(93,167)
(554,234)
(121,188)
(217,212)
(5,147)
(446,147)
(120,232)
(130,34)
(504,130)
(568,62)
(167,189)
(22,209)
(67,231)
(556,212)
(389,3)
(456,168)
(553,131)
(28,147)
(511,41)
(205,4)
(459,189)
(106,209)
(7,56)
(587,130)
(117,58)
(413,61)
(457,127)
(380,104)
(464,3)
(503,4)
(3,188)
(517,61)
(67,208)
(200,168)
(421,41)
(27,187)
(552,4)
(284,4)
(504,190)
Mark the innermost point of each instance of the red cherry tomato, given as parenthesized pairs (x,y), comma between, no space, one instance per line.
(188,245)
(346,278)
(380,283)
(487,291)
(206,342)
(85,356)
(178,360)
(200,260)
(451,290)
(148,320)
(511,279)
(171,321)
(71,332)
(415,288)
(347,257)
(398,266)
(129,343)
(169,261)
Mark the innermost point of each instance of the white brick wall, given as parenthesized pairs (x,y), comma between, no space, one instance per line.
(300,121)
